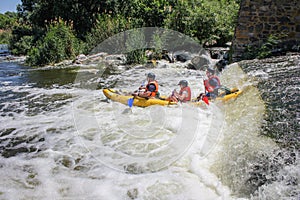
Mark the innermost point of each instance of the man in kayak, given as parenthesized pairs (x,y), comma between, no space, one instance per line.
(211,86)
(150,90)
(184,95)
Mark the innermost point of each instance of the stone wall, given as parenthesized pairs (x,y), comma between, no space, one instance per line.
(258,19)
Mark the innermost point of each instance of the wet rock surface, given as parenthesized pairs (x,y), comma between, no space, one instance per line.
(278,81)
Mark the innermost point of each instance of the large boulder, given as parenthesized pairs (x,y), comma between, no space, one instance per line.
(182,56)
(201,62)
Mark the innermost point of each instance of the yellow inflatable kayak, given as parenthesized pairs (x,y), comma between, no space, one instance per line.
(115,95)
(118,96)
(234,93)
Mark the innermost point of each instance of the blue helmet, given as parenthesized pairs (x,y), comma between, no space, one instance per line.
(183,83)
(151,75)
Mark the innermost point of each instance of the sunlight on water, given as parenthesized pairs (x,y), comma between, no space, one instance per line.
(151,153)
(69,143)
(145,139)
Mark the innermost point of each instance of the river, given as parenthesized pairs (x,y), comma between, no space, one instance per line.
(61,139)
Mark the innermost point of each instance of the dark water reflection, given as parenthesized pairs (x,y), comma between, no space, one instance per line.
(48,78)
(16,74)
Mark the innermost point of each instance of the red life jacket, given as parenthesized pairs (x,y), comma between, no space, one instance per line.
(188,98)
(153,94)
(209,88)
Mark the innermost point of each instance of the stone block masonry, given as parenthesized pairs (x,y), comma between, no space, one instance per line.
(258,19)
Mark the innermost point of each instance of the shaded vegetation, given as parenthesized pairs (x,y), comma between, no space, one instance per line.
(91,22)
(7,21)
(272,46)
(58,44)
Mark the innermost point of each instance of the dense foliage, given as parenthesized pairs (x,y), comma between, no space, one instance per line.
(210,22)
(274,45)
(58,44)
(7,20)
(92,21)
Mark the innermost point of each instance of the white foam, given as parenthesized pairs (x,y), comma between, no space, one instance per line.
(89,142)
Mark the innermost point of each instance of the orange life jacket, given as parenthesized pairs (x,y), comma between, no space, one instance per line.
(209,88)
(153,94)
(188,98)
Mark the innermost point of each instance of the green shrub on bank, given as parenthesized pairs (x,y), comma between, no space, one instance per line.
(273,45)
(107,26)
(23,45)
(5,37)
(21,41)
(7,21)
(209,22)
(135,47)
(57,45)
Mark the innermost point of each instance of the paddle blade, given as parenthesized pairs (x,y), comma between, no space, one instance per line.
(205,99)
(130,102)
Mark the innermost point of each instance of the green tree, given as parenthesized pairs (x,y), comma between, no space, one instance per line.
(58,44)
(105,27)
(5,37)
(80,15)
(135,47)
(205,21)
(94,21)
(21,40)
(7,21)
(153,13)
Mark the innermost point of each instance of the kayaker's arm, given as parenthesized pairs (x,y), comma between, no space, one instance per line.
(180,97)
(144,94)
(141,88)
(148,92)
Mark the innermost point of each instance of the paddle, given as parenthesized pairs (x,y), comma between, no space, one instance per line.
(205,99)
(131,100)
(130,104)
(202,96)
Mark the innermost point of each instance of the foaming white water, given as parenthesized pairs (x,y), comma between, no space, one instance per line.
(92,150)
(177,180)
(248,162)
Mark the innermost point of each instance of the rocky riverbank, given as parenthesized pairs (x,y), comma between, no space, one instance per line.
(11,58)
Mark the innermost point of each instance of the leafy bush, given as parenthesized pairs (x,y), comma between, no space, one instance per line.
(7,20)
(5,37)
(271,46)
(135,47)
(266,49)
(206,21)
(23,46)
(21,40)
(58,44)
(106,27)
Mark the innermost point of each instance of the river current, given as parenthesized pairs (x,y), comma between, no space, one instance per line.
(60,139)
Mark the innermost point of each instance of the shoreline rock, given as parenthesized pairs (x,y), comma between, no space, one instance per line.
(11,58)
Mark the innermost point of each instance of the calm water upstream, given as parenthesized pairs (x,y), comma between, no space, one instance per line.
(60,139)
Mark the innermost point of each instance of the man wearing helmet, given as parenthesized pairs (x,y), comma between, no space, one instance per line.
(211,85)
(184,95)
(150,90)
